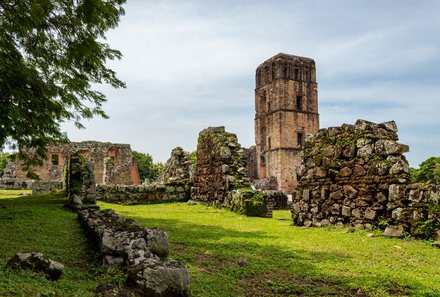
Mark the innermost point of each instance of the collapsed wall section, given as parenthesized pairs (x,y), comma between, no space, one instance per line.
(220,166)
(221,177)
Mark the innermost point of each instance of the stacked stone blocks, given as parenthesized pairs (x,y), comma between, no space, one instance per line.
(357,175)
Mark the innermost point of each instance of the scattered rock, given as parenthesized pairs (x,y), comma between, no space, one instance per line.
(37,262)
(436,244)
(142,251)
(370,235)
(160,278)
(394,231)
(243,262)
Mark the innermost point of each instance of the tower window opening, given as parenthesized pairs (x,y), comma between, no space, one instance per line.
(299,102)
(300,139)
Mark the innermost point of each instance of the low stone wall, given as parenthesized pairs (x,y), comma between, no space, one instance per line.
(15,184)
(357,175)
(278,198)
(154,193)
(41,187)
(415,210)
(142,251)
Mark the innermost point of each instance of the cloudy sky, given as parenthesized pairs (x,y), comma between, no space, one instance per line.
(189,65)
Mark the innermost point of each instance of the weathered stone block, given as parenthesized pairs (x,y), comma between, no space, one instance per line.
(394,231)
(37,262)
(346,211)
(357,213)
(336,195)
(396,192)
(370,214)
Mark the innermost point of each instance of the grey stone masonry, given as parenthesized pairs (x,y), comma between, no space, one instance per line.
(357,175)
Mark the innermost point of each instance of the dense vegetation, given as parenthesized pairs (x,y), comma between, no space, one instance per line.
(428,171)
(281,260)
(146,167)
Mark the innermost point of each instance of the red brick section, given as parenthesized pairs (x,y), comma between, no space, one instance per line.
(113,163)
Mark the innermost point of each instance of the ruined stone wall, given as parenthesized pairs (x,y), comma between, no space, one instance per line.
(221,178)
(9,180)
(153,193)
(286,109)
(250,155)
(178,166)
(113,163)
(357,175)
(220,166)
(40,187)
(142,251)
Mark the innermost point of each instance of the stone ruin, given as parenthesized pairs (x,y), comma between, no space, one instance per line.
(220,166)
(178,166)
(174,185)
(9,180)
(221,177)
(80,182)
(357,175)
(142,252)
(113,163)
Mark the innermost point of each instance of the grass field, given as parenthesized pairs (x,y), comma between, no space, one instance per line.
(41,224)
(282,260)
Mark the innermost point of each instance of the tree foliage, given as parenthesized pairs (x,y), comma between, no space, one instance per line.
(51,54)
(4,159)
(146,167)
(428,171)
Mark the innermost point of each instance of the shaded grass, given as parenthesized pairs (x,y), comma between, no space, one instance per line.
(284,260)
(40,224)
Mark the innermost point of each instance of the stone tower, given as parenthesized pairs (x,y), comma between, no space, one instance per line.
(286,105)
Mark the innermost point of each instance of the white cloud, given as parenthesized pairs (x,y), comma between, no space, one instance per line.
(189,65)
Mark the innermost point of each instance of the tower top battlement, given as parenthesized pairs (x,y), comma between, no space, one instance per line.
(284,66)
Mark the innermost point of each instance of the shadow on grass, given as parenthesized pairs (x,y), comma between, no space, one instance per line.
(213,254)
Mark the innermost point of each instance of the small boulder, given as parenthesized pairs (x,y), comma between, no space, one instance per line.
(394,231)
(243,262)
(37,262)
(160,278)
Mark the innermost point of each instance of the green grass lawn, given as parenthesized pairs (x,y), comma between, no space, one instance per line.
(283,260)
(41,224)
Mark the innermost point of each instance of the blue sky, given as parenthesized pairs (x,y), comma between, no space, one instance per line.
(189,65)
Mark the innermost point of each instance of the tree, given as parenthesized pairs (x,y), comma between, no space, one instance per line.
(428,172)
(146,167)
(51,53)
